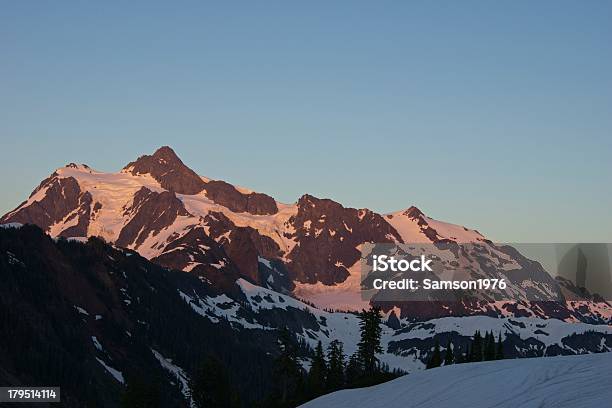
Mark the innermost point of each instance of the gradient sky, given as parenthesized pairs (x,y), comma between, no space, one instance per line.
(497,116)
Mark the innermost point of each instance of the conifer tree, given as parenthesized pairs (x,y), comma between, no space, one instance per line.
(436,359)
(499,353)
(317,373)
(459,356)
(139,394)
(489,352)
(287,369)
(476,352)
(335,372)
(211,386)
(369,345)
(449,357)
(354,369)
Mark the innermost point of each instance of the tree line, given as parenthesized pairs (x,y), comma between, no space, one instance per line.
(480,348)
(330,369)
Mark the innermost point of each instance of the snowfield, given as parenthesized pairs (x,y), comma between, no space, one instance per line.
(583,381)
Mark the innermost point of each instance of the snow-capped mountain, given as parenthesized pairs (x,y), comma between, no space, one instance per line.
(311,249)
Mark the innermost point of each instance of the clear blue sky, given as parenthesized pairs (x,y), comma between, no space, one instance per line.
(494,115)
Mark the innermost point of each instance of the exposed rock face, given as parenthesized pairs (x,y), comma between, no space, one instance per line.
(81,215)
(242,244)
(61,201)
(198,254)
(165,167)
(150,212)
(415,214)
(228,196)
(173,175)
(329,235)
(393,322)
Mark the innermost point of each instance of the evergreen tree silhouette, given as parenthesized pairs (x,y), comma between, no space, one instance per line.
(288,376)
(449,357)
(317,373)
(489,351)
(211,386)
(139,394)
(436,359)
(369,345)
(459,356)
(468,354)
(499,352)
(476,352)
(335,372)
(354,369)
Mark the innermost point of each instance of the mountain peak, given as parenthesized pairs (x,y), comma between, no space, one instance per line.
(166,153)
(168,169)
(81,166)
(413,212)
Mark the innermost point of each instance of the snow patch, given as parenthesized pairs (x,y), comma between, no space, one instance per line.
(81,310)
(265,262)
(11,225)
(178,373)
(117,375)
(96,343)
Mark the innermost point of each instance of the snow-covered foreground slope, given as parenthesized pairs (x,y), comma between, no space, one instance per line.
(569,381)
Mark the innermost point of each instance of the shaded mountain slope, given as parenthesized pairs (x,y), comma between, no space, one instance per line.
(89,317)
